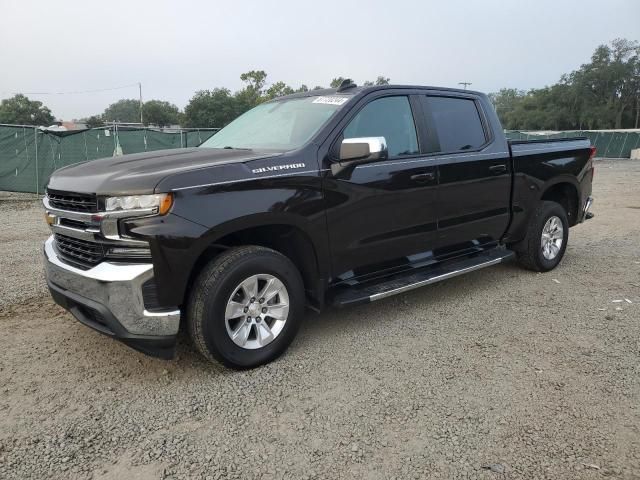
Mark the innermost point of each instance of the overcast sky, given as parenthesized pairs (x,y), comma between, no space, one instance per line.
(177,47)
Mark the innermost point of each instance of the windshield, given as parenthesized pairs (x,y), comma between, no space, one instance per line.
(280,125)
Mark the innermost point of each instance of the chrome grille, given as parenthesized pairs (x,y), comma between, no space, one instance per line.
(74,202)
(81,253)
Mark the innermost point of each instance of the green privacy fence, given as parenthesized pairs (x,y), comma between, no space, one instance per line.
(609,143)
(29,155)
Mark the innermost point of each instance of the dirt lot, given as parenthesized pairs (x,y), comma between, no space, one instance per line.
(501,373)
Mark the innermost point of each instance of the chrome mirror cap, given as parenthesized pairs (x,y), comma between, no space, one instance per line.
(363,149)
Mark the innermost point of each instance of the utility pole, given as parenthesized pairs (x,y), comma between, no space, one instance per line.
(140,90)
(465,84)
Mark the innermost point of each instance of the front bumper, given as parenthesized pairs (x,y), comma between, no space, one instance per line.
(108,298)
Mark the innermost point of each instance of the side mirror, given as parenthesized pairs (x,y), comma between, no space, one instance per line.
(363,150)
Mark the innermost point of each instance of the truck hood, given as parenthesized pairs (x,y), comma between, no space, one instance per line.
(139,173)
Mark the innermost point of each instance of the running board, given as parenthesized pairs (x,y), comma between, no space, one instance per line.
(401,283)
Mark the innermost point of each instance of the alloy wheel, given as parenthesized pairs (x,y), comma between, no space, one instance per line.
(257,311)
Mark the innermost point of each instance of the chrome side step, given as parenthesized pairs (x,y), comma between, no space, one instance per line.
(409,281)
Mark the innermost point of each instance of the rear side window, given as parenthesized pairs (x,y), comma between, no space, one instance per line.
(457,122)
(388,117)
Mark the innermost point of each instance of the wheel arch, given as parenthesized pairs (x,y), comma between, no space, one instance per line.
(565,192)
(280,234)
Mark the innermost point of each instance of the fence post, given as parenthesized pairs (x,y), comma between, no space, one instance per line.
(35,140)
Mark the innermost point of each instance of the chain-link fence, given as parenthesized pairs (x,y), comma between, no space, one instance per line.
(609,143)
(28,155)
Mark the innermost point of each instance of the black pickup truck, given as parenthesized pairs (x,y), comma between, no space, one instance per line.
(323,198)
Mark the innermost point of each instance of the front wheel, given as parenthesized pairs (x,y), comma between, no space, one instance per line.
(246,307)
(546,240)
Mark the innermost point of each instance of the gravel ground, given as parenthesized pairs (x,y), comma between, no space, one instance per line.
(499,374)
(22,233)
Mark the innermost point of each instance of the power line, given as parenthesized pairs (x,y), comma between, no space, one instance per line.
(466,84)
(76,92)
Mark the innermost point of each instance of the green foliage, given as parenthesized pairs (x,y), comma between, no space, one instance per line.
(211,108)
(125,110)
(255,79)
(160,113)
(278,89)
(601,94)
(94,121)
(19,110)
(378,81)
(335,83)
(251,94)
(218,107)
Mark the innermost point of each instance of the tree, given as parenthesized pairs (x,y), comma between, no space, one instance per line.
(255,93)
(160,113)
(278,89)
(94,121)
(211,108)
(378,81)
(610,83)
(251,94)
(255,79)
(218,107)
(336,82)
(601,94)
(125,110)
(506,99)
(19,110)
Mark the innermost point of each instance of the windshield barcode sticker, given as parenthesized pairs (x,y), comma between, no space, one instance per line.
(331,100)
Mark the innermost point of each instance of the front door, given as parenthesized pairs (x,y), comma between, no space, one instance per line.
(380,213)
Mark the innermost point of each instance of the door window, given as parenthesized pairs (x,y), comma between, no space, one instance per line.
(457,123)
(388,117)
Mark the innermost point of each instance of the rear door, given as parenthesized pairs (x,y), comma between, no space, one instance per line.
(380,213)
(474,185)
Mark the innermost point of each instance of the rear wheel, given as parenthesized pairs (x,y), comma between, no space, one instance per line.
(546,240)
(246,307)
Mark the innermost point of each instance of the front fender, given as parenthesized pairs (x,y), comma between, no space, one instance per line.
(202,217)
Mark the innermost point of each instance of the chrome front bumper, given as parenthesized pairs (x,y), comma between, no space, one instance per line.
(112,290)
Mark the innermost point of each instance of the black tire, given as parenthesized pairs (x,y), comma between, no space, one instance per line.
(529,251)
(213,288)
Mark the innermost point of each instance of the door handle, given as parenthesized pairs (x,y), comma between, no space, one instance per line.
(498,168)
(423,177)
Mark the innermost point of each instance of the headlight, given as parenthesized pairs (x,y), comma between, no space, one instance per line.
(160,203)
